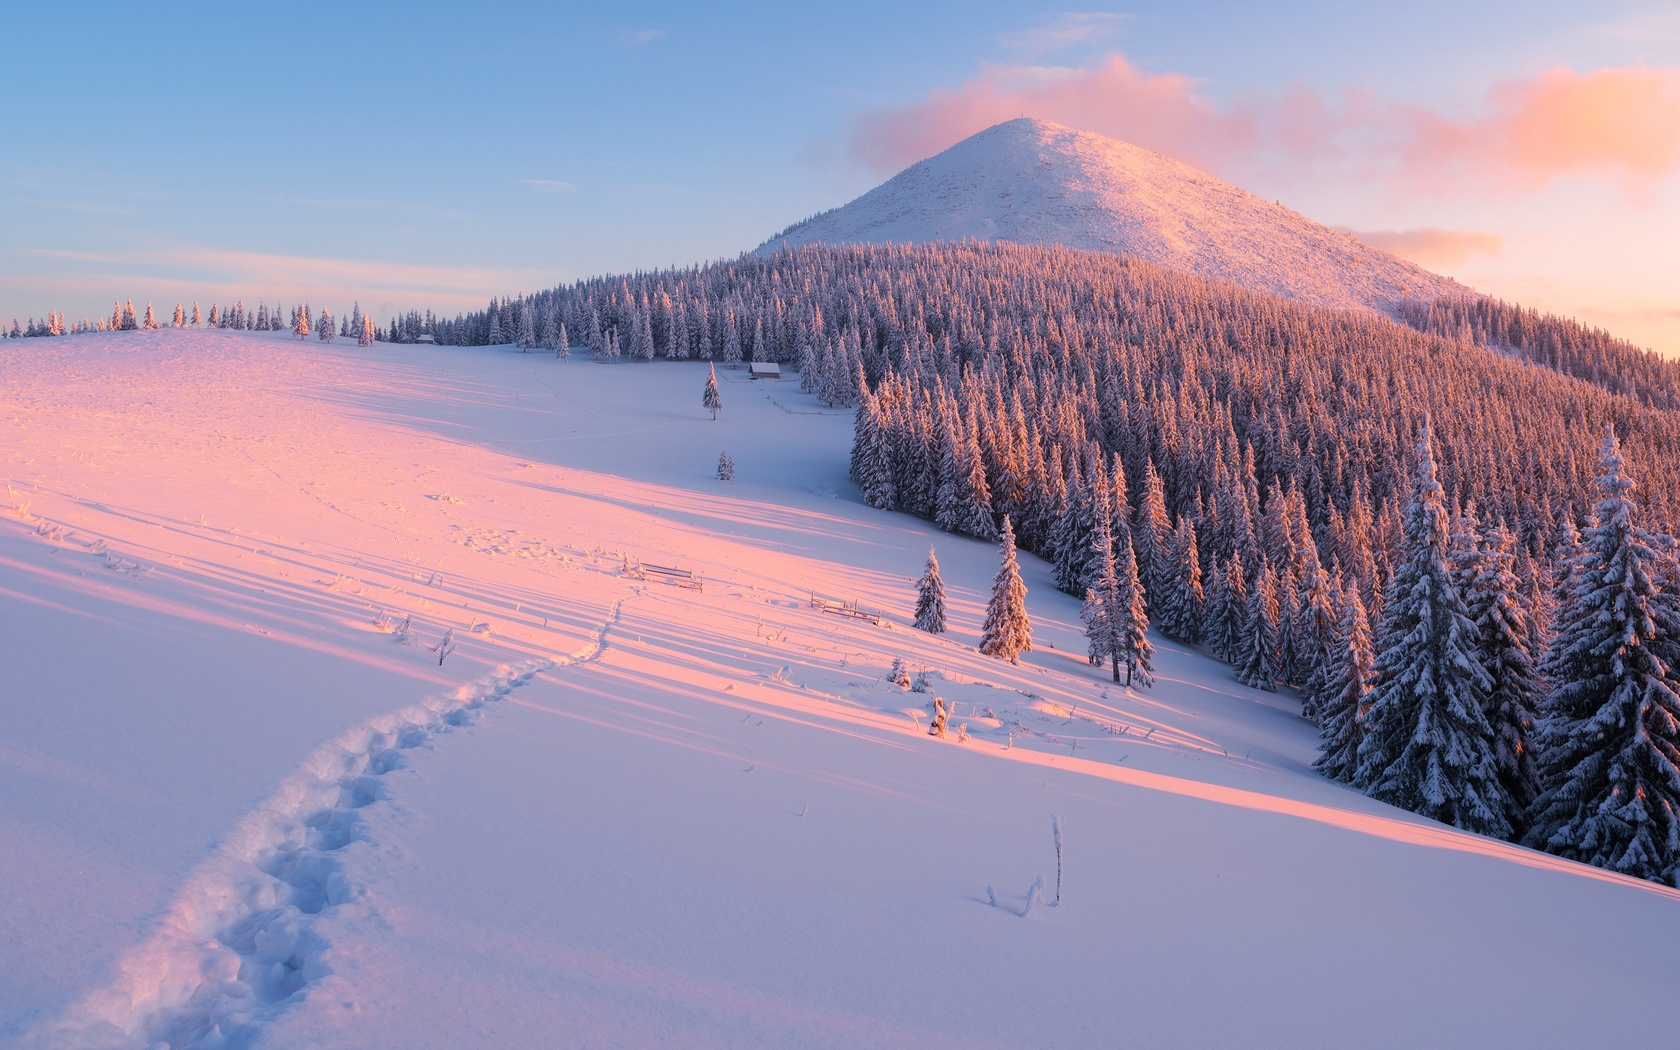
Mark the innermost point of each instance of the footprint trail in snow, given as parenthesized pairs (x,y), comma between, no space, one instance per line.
(238,945)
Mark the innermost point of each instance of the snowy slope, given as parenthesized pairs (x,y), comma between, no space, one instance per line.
(623,813)
(1033,182)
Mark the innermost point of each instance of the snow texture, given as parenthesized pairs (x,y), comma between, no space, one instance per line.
(1033,182)
(723,826)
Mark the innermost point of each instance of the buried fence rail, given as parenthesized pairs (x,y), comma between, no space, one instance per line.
(836,607)
(664,574)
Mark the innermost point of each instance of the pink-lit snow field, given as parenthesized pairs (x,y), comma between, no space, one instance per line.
(243,805)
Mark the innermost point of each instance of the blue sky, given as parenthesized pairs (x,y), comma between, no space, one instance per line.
(431,155)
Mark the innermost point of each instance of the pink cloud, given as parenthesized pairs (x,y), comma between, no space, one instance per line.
(1164,111)
(1622,123)
(1619,122)
(1431,247)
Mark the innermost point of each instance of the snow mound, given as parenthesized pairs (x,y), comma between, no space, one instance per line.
(1033,182)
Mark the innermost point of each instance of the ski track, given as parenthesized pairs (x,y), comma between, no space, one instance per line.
(238,944)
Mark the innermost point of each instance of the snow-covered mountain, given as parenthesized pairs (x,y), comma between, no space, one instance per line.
(1033,182)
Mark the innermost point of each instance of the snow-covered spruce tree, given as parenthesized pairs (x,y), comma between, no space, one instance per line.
(1150,533)
(151,319)
(726,466)
(976,519)
(1127,612)
(595,340)
(1007,633)
(641,335)
(1071,539)
(710,397)
(930,598)
(1315,628)
(1566,550)
(965,499)
(1346,686)
(1101,612)
(1227,612)
(365,335)
(1179,610)
(197,318)
(324,326)
(1257,663)
(1610,737)
(1428,746)
(300,326)
(1495,606)
(551,332)
(129,324)
(872,457)
(1289,610)
(525,335)
(1097,633)
(731,340)
(562,348)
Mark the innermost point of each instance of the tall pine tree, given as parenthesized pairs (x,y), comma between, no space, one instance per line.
(1007,633)
(1227,611)
(1179,610)
(710,397)
(1428,746)
(1342,701)
(1495,606)
(1610,749)
(1258,662)
(930,598)
(1128,612)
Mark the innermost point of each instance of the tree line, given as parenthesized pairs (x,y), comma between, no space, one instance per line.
(124,318)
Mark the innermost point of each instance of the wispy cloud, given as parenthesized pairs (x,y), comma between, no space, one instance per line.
(638,37)
(548,185)
(1068,29)
(1621,123)
(1432,247)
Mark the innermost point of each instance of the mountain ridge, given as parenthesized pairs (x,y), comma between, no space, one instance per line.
(1031,181)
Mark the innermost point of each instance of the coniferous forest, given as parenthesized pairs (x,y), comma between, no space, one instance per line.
(1448,528)
(1417,521)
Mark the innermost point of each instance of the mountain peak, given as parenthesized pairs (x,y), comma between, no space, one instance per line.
(1031,181)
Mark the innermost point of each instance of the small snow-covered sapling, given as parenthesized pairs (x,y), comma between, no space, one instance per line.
(899,675)
(940,716)
(726,467)
(1034,895)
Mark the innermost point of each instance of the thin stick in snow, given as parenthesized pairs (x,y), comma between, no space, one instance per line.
(445,646)
(1056,833)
